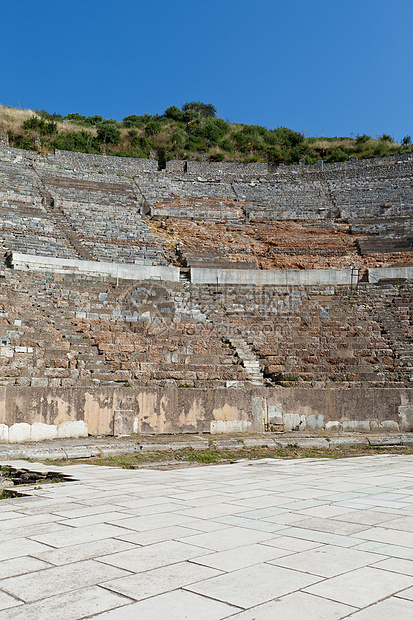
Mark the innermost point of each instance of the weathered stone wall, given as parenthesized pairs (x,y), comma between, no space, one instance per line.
(36,414)
(226,169)
(258,277)
(109,165)
(28,262)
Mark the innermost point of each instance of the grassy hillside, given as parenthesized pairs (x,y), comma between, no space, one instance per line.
(190,132)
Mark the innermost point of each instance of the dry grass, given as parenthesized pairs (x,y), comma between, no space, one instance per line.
(172,459)
(12,119)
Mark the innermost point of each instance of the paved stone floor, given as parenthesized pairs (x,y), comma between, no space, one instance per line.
(253,540)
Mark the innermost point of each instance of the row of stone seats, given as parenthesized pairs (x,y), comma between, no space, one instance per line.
(105,213)
(163,187)
(360,190)
(57,332)
(39,344)
(386,226)
(19,186)
(115,233)
(63,330)
(302,337)
(161,340)
(282,199)
(30,231)
(207,209)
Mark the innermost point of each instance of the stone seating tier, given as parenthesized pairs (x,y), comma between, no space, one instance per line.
(63,330)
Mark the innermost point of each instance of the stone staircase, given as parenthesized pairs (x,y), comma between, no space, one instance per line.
(248,359)
(401,345)
(59,219)
(330,199)
(90,362)
(216,315)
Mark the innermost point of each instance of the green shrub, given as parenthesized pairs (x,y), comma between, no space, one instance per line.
(216,157)
(337,155)
(178,137)
(174,113)
(81,141)
(108,132)
(44,127)
(362,139)
(152,128)
(204,109)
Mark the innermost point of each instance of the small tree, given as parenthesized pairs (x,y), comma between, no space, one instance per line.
(205,109)
(386,138)
(107,131)
(174,113)
(407,140)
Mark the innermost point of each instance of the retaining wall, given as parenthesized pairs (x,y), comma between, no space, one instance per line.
(35,414)
(124,271)
(389,273)
(308,277)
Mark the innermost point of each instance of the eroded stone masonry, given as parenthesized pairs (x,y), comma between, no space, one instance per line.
(96,353)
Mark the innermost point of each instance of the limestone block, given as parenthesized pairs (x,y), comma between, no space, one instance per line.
(6,352)
(406,417)
(234,384)
(39,382)
(40,431)
(55,382)
(4,432)
(23,381)
(314,422)
(123,422)
(72,428)
(62,373)
(334,426)
(274,413)
(294,421)
(230,426)
(389,425)
(19,432)
(356,425)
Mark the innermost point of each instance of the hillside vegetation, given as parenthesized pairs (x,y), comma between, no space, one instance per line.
(192,131)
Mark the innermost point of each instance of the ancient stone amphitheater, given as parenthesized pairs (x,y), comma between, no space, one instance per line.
(203,297)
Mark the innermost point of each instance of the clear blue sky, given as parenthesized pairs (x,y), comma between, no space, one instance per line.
(319,66)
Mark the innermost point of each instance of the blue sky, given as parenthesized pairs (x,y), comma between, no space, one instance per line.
(322,67)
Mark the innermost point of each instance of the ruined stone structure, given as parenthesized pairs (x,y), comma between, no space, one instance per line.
(223,349)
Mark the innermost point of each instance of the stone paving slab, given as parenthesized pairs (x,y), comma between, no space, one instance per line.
(254,540)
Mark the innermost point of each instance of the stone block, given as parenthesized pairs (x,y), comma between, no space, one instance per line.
(20,349)
(23,381)
(39,382)
(389,426)
(274,414)
(4,432)
(361,426)
(294,421)
(19,432)
(72,428)
(62,373)
(385,441)
(55,382)
(41,432)
(314,422)
(6,351)
(334,426)
(406,417)
(230,426)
